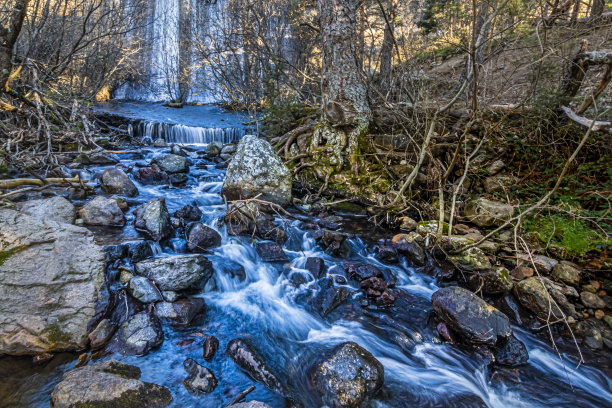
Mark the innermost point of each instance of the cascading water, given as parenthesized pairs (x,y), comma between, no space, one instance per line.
(182,134)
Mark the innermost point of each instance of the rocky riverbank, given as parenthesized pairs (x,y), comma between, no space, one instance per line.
(64,291)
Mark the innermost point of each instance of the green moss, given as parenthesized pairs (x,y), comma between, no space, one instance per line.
(55,335)
(566,236)
(4,255)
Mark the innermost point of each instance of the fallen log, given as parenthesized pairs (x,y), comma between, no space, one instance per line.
(6,184)
(581,120)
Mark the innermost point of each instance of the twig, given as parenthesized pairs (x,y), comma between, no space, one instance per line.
(241,396)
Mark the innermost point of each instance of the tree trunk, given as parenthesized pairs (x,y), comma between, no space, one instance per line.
(346,112)
(184,54)
(386,50)
(8,38)
(597,8)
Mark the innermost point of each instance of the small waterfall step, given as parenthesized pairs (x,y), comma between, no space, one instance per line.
(173,133)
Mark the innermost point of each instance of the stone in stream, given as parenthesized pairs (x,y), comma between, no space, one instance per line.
(541,297)
(359,273)
(250,404)
(56,209)
(270,252)
(142,289)
(491,282)
(178,272)
(182,312)
(472,259)
(138,251)
(108,384)
(591,300)
(115,181)
(486,213)
(266,230)
(172,163)
(333,242)
(213,148)
(201,237)
(200,379)
(387,254)
(189,212)
(329,296)
(52,285)
(471,317)
(151,176)
(140,333)
(567,272)
(513,353)
(248,359)
(102,211)
(102,334)
(233,269)
(406,245)
(347,376)
(256,170)
(316,266)
(178,179)
(211,345)
(153,220)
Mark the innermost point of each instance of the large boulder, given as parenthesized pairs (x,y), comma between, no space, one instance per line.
(543,298)
(140,333)
(486,213)
(108,384)
(201,237)
(153,220)
(152,175)
(256,170)
(102,211)
(142,289)
(176,273)
(52,285)
(347,375)
(471,317)
(115,181)
(56,209)
(172,163)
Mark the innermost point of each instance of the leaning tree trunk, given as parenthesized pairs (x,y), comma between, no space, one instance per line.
(346,112)
(184,52)
(8,38)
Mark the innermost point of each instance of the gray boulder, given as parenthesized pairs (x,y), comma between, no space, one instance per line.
(52,285)
(543,298)
(491,282)
(181,312)
(56,209)
(201,237)
(108,384)
(200,379)
(102,211)
(177,272)
(251,404)
(347,376)
(140,333)
(142,289)
(172,163)
(486,213)
(567,272)
(499,183)
(115,181)
(214,148)
(471,317)
(256,170)
(102,334)
(153,220)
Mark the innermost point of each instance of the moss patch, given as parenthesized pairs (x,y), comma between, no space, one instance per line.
(4,255)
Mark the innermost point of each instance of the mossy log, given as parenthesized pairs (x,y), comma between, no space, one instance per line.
(37,182)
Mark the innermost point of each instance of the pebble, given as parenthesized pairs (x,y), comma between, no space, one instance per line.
(599,314)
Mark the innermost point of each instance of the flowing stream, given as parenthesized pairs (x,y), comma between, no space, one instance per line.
(273,313)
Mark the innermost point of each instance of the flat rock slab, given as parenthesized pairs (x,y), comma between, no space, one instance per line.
(51,285)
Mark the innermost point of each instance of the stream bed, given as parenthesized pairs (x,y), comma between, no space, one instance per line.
(270,308)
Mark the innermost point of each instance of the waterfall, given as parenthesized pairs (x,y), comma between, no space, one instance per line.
(173,133)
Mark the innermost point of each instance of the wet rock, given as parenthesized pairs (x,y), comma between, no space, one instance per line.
(256,170)
(211,345)
(172,163)
(213,148)
(470,316)
(182,312)
(248,359)
(153,220)
(108,384)
(251,404)
(472,259)
(486,213)
(373,287)
(387,254)
(386,299)
(499,183)
(444,332)
(151,176)
(491,282)
(178,179)
(233,269)
(521,272)
(513,353)
(189,212)
(316,266)
(200,379)
(534,295)
(142,289)
(52,285)
(407,224)
(566,272)
(102,211)
(229,149)
(56,209)
(115,181)
(140,333)
(333,242)
(102,334)
(329,296)
(347,376)
(270,252)
(406,245)
(362,272)
(542,263)
(266,230)
(170,296)
(159,143)
(99,158)
(201,237)
(139,251)
(178,272)
(591,300)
